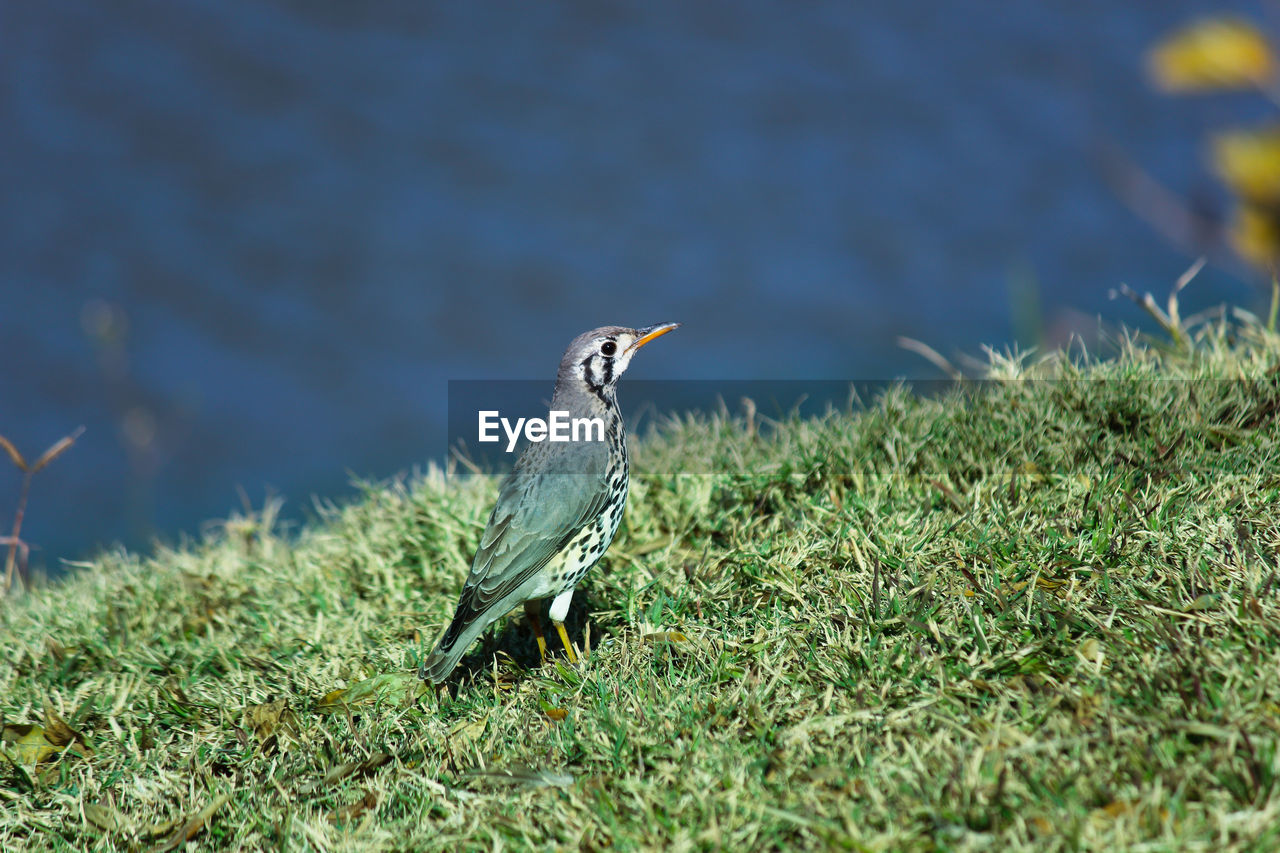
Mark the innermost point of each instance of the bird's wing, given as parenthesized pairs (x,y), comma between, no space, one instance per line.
(536,515)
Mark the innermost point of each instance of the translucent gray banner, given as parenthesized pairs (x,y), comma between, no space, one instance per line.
(478,408)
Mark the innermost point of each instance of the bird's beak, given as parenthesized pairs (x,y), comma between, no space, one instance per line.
(649,333)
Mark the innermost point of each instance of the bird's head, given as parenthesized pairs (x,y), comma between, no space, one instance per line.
(596,359)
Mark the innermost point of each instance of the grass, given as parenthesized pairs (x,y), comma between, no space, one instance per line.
(1041,612)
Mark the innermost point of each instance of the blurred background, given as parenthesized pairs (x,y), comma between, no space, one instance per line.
(247,243)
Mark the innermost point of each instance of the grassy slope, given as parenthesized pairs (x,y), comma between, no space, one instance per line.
(1046,616)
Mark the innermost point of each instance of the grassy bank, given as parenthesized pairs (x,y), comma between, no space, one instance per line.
(1042,614)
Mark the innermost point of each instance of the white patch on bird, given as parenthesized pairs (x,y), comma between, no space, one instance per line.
(558,426)
(560,605)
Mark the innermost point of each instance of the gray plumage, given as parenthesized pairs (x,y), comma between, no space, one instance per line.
(558,509)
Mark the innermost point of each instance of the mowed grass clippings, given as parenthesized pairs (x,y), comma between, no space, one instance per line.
(1041,612)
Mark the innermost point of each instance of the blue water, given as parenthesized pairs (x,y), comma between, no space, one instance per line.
(248,243)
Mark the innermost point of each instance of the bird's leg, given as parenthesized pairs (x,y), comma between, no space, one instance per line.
(559,610)
(564,638)
(531,609)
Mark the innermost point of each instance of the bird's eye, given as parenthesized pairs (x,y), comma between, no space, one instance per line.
(608,348)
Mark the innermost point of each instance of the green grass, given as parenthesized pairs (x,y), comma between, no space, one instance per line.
(1042,613)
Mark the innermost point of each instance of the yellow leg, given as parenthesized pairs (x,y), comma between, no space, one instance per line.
(531,611)
(564,638)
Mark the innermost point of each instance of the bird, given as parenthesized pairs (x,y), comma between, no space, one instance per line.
(557,510)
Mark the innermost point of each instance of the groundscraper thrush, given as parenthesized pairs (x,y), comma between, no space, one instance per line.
(557,510)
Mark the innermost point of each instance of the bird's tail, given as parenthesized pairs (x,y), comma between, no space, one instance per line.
(467,624)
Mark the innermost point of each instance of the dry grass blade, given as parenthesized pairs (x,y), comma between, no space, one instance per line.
(1186,277)
(14,540)
(931,355)
(13,453)
(1169,318)
(56,449)
(950,494)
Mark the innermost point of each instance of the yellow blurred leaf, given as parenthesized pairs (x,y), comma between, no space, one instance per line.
(1248,161)
(1254,233)
(1212,54)
(399,688)
(557,714)
(1111,811)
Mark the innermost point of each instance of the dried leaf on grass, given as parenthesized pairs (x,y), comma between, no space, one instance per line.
(191,828)
(32,744)
(349,768)
(399,688)
(27,744)
(270,720)
(60,734)
(469,731)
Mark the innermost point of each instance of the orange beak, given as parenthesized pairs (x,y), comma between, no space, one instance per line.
(649,333)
